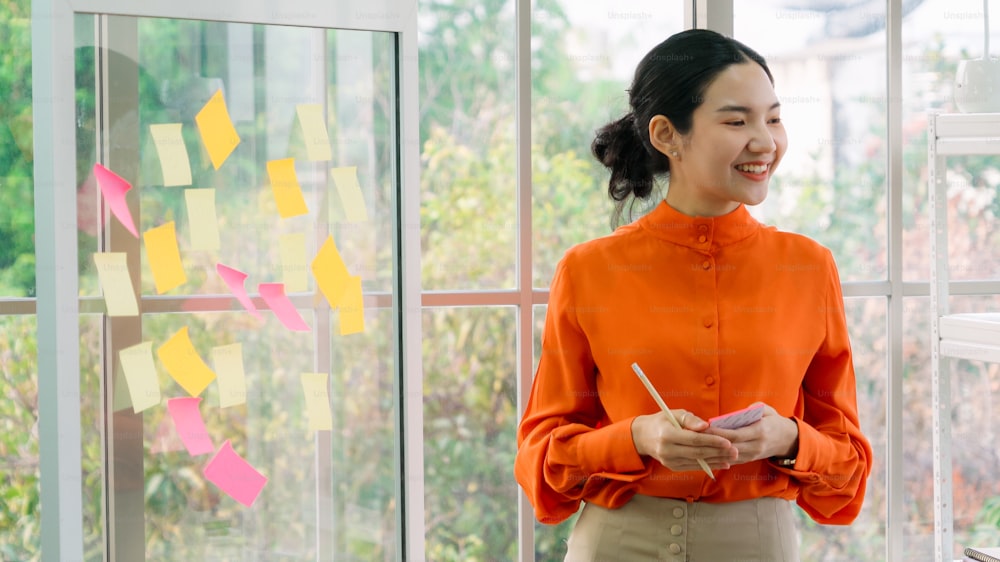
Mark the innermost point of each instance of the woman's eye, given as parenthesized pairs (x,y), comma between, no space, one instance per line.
(775,120)
(735,123)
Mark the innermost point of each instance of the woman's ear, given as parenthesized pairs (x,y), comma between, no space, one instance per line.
(664,137)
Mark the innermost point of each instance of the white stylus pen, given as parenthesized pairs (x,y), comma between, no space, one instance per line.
(663,406)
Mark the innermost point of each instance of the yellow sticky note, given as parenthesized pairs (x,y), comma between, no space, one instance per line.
(294,266)
(173,153)
(349,190)
(164,257)
(330,272)
(352,308)
(203,223)
(228,363)
(119,295)
(140,373)
(217,132)
(314,133)
(182,361)
(317,401)
(285,185)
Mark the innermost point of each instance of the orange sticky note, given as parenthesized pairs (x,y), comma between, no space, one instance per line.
(173,154)
(182,361)
(140,373)
(227,360)
(317,401)
(217,132)
(330,272)
(285,185)
(234,475)
(352,308)
(164,257)
(119,295)
(294,263)
(202,221)
(114,188)
(346,179)
(314,133)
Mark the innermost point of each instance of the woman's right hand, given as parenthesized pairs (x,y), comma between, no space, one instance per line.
(655,436)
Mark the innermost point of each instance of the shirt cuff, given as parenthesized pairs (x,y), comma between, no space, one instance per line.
(609,449)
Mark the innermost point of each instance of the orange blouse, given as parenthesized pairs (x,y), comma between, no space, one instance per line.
(719,312)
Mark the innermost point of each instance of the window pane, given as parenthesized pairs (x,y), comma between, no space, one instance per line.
(17,211)
(468,186)
(938,34)
(470,417)
(323,104)
(831,183)
(975,490)
(582,64)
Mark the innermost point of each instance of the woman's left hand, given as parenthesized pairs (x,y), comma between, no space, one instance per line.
(773,435)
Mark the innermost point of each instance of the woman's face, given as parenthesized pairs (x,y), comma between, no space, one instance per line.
(734,145)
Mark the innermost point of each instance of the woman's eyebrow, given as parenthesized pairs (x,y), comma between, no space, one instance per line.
(743,108)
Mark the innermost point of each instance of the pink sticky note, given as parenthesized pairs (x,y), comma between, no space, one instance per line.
(234,278)
(114,188)
(190,426)
(274,295)
(234,475)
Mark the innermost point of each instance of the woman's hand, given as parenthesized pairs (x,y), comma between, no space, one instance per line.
(655,436)
(772,436)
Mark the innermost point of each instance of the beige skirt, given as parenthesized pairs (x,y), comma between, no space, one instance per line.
(663,529)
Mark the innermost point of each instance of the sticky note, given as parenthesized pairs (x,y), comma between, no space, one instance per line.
(330,272)
(294,264)
(235,279)
(234,475)
(164,257)
(227,361)
(190,425)
(140,374)
(120,399)
(217,132)
(182,361)
(274,295)
(116,284)
(172,152)
(114,188)
(203,224)
(314,133)
(317,401)
(286,189)
(346,179)
(352,308)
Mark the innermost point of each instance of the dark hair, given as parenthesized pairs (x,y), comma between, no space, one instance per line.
(671,81)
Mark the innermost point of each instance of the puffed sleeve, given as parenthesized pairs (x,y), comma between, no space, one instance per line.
(834,458)
(567,451)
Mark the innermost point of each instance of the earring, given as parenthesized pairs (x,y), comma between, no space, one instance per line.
(673,153)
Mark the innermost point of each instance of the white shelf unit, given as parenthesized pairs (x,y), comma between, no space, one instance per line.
(973,336)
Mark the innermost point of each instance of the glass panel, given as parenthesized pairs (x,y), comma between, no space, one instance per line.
(937,34)
(579,82)
(976,492)
(321,103)
(467,184)
(831,183)
(17,211)
(470,417)
(20,521)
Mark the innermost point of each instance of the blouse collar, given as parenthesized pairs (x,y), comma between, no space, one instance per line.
(700,233)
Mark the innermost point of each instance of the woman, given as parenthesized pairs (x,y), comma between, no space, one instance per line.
(720,312)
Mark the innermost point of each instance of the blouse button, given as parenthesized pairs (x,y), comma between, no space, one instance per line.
(678,512)
(675,548)
(709,380)
(703,238)
(676,530)
(706,265)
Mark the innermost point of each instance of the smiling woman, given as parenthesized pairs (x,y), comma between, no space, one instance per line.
(704,113)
